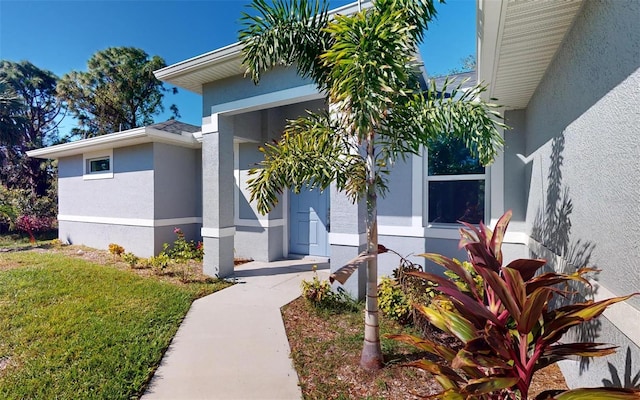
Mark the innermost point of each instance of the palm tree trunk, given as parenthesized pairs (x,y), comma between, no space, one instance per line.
(371,358)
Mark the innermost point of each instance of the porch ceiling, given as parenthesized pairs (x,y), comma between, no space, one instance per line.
(517,40)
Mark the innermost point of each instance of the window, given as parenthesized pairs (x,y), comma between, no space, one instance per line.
(455,184)
(98,165)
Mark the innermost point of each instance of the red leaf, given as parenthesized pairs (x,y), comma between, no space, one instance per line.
(527,267)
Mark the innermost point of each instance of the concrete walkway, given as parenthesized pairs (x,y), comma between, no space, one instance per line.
(232,344)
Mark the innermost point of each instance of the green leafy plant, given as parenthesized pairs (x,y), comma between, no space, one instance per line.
(392,300)
(508,330)
(320,294)
(159,263)
(183,250)
(130,259)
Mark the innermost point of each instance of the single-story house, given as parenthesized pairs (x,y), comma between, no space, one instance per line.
(567,73)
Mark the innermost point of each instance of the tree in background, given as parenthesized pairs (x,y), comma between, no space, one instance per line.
(118,92)
(365,65)
(467,64)
(32,122)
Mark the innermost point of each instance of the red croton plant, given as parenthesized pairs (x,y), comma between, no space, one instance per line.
(509,331)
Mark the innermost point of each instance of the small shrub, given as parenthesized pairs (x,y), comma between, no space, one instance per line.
(130,259)
(508,330)
(160,262)
(392,301)
(182,250)
(317,291)
(320,294)
(32,224)
(116,249)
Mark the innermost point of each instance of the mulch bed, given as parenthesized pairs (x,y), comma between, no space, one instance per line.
(326,354)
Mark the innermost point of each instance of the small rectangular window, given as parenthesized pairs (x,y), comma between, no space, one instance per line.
(100,165)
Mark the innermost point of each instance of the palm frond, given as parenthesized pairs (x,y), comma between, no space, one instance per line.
(309,155)
(285,33)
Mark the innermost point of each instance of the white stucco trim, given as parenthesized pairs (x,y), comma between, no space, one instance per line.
(217,232)
(130,221)
(259,223)
(624,316)
(347,239)
(269,100)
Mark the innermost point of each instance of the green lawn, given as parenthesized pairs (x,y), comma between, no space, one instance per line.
(70,329)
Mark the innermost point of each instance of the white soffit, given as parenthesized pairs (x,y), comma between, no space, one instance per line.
(518,39)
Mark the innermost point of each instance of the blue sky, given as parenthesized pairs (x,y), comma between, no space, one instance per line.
(62,35)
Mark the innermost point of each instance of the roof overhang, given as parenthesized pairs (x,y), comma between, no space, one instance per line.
(127,138)
(222,63)
(517,40)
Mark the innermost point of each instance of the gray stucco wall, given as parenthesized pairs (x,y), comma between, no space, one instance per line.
(128,194)
(516,170)
(582,134)
(395,208)
(136,239)
(150,182)
(239,88)
(177,181)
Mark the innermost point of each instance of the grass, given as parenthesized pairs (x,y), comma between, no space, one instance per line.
(74,329)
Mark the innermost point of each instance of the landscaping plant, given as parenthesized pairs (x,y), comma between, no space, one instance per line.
(365,65)
(508,331)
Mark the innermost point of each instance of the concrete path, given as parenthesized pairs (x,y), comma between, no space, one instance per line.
(232,344)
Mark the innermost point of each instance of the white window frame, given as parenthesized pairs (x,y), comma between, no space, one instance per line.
(86,161)
(447,178)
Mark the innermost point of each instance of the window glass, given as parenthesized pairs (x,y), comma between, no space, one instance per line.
(99,165)
(453,201)
(449,156)
(455,183)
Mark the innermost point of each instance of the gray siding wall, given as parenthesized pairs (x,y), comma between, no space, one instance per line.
(582,133)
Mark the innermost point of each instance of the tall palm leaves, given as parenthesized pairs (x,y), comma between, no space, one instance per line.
(365,64)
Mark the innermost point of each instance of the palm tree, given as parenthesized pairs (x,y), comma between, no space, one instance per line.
(365,64)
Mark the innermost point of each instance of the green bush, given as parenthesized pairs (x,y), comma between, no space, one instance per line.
(130,259)
(160,262)
(320,294)
(182,250)
(392,301)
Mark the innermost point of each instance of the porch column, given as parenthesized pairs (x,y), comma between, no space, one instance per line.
(217,196)
(348,238)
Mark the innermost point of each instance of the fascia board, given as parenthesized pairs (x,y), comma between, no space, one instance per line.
(131,137)
(489,25)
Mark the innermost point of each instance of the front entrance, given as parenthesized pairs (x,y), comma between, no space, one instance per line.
(309,223)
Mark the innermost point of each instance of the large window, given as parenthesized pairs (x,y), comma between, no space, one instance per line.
(455,184)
